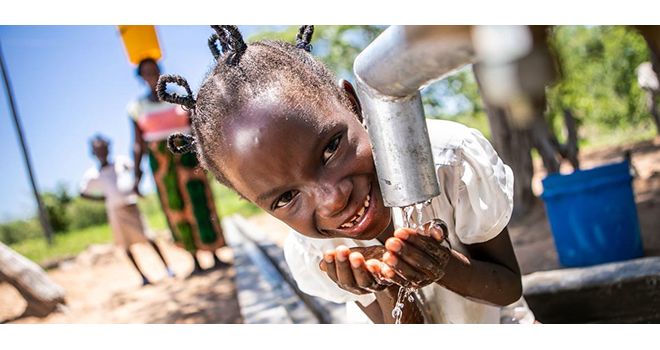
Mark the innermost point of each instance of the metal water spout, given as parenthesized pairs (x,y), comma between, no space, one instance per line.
(390,72)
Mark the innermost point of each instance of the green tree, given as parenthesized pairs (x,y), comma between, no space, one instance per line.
(599,82)
(56,204)
(18,230)
(84,213)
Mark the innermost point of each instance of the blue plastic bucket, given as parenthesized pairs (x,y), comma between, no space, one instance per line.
(593,216)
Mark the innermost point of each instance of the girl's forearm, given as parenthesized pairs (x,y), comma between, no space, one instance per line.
(482,281)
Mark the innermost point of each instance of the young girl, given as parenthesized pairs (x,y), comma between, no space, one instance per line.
(270,122)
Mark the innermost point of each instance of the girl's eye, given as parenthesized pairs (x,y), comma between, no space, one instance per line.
(285,199)
(331,148)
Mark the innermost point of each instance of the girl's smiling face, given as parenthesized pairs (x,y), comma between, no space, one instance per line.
(311,169)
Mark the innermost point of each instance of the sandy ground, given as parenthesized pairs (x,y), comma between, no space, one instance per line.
(102,287)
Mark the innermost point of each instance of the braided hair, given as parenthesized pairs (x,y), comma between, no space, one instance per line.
(244,73)
(304,37)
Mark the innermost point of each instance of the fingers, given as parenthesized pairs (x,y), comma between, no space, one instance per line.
(437,229)
(427,245)
(411,254)
(405,270)
(373,265)
(434,228)
(363,277)
(344,271)
(391,275)
(416,258)
(352,272)
(375,268)
(329,264)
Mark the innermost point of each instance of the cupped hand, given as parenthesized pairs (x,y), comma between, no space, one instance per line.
(417,258)
(357,270)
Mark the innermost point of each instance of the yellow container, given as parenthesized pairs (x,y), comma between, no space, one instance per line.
(140,42)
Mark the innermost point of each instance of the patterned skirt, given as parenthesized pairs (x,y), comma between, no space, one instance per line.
(186,198)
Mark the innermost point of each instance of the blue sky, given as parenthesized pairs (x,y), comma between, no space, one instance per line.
(69,83)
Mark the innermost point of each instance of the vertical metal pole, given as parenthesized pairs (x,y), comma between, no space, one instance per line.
(43,215)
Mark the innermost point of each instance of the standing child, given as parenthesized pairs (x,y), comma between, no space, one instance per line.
(270,122)
(112,182)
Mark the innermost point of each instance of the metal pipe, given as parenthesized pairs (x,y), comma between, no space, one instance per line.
(390,72)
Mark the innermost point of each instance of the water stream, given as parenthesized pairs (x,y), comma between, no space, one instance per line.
(421,217)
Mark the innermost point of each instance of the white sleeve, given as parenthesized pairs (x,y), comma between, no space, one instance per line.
(483,198)
(303,260)
(90,184)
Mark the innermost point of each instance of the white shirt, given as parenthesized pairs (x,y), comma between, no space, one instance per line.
(114,181)
(476,202)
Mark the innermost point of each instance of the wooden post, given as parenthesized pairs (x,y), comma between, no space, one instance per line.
(514,146)
(43,296)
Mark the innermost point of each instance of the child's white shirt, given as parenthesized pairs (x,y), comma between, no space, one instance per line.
(476,202)
(114,182)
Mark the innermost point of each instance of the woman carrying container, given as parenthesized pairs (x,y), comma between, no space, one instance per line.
(183,188)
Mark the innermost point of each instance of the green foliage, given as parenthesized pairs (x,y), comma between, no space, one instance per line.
(599,84)
(56,204)
(84,213)
(18,230)
(64,244)
(68,213)
(65,214)
(599,75)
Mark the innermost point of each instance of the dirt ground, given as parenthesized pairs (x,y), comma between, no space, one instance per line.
(102,287)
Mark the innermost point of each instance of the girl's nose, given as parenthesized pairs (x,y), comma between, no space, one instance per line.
(333,198)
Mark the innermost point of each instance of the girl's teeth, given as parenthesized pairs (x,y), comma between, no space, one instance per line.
(359,214)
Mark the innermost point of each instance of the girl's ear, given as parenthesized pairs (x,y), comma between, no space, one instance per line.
(349,90)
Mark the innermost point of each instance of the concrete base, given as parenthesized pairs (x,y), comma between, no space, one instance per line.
(622,292)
